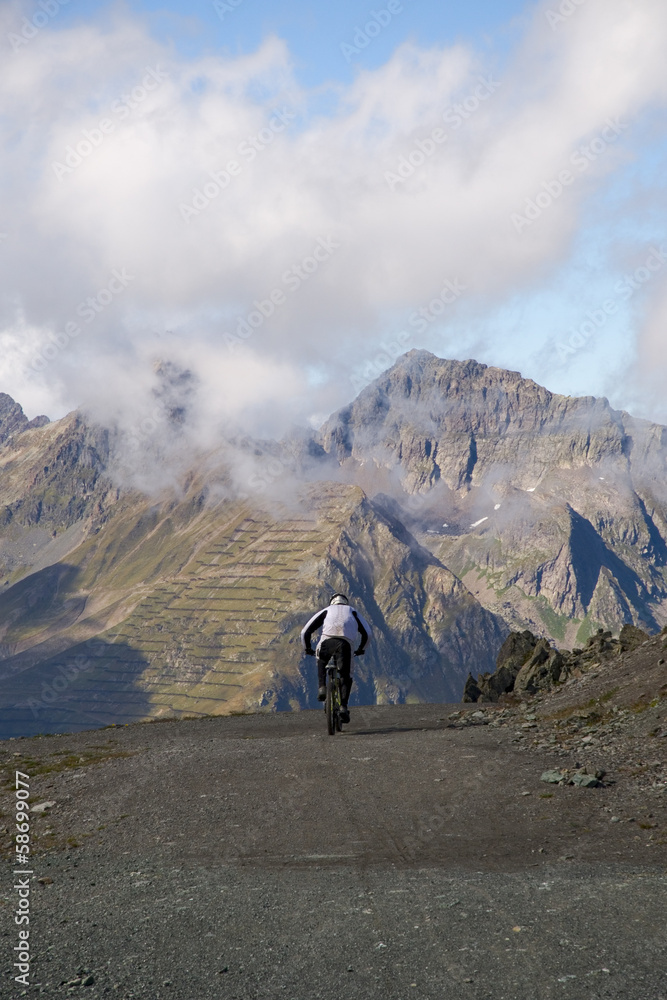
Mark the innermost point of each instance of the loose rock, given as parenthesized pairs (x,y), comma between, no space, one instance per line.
(552,777)
(585,781)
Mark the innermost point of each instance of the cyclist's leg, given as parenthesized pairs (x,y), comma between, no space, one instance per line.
(324,654)
(345,668)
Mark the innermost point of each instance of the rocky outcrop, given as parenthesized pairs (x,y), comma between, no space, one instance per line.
(12,418)
(55,476)
(527,665)
(14,421)
(515,651)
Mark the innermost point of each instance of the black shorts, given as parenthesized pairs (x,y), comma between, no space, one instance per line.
(341,650)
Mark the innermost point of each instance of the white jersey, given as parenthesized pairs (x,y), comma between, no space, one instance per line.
(338,621)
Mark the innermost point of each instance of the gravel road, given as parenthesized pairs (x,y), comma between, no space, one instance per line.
(256,857)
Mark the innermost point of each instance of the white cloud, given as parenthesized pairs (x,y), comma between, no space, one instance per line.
(311,177)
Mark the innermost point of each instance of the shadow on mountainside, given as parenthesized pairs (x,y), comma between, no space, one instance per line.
(50,684)
(41,601)
(89,685)
(590,556)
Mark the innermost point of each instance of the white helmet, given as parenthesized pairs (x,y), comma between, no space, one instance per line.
(339,599)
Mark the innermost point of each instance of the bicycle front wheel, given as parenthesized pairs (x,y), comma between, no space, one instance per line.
(337,709)
(329,705)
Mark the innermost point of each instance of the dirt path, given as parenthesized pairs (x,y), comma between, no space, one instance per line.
(255,857)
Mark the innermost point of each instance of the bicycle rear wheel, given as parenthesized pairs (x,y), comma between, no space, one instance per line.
(337,707)
(329,707)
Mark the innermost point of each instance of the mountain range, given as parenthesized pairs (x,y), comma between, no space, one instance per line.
(452,501)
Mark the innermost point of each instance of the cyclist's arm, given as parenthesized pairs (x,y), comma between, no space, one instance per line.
(363,632)
(317,621)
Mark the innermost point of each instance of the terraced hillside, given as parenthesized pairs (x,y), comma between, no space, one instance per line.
(191,617)
(210,634)
(194,608)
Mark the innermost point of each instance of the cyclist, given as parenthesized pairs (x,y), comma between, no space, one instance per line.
(343,628)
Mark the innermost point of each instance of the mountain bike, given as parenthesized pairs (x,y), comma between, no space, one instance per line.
(332,704)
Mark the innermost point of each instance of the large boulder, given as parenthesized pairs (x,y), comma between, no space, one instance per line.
(472,691)
(514,652)
(517,648)
(631,637)
(541,671)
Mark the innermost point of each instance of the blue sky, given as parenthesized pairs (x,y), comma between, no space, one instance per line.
(396,150)
(315,32)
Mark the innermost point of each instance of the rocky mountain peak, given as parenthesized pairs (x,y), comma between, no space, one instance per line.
(453,421)
(13,420)
(551,504)
(12,417)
